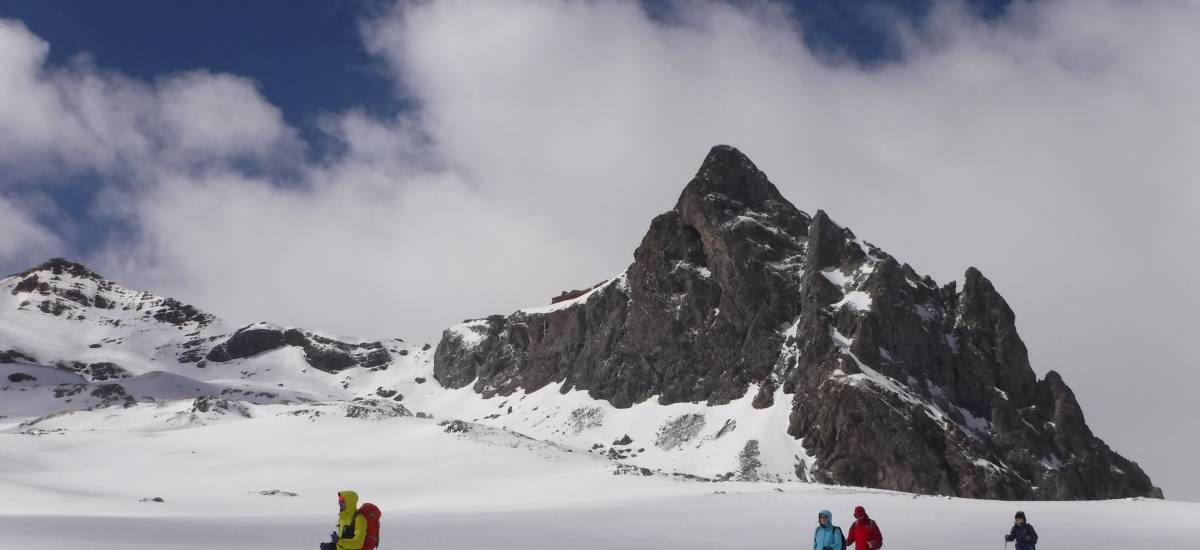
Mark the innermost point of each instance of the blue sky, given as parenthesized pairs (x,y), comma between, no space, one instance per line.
(306,54)
(388,170)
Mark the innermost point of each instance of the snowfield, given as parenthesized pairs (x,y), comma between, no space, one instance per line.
(129,420)
(466,486)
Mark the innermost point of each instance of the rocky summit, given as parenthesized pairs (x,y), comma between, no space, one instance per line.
(889,380)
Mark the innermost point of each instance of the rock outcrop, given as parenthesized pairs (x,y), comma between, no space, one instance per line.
(321,352)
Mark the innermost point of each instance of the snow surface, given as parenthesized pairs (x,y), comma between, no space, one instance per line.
(470,333)
(485,489)
(709,447)
(835,276)
(857,300)
(619,280)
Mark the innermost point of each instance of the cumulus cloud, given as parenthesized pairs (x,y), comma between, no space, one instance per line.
(1053,148)
(360,257)
(31,107)
(83,119)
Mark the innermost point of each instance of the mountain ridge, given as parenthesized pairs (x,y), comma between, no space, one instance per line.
(747,340)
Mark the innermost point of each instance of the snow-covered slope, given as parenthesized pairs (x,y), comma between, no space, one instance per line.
(80,352)
(270,483)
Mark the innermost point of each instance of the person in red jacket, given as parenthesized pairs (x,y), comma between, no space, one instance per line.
(864,533)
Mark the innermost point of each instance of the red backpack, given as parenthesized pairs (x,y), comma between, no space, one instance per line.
(875,535)
(372,513)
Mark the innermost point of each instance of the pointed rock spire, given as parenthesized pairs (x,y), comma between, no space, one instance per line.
(728,172)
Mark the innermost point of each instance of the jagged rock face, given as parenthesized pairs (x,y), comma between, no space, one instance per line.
(695,318)
(897,383)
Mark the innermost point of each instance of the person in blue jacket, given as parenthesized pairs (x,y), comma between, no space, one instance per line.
(1023,533)
(828,536)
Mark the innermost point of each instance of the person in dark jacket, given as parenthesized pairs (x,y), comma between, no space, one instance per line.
(1022,533)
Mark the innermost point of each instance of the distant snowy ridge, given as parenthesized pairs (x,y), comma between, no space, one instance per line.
(71,340)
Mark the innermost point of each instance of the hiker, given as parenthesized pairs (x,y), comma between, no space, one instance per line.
(1023,533)
(828,536)
(357,528)
(864,533)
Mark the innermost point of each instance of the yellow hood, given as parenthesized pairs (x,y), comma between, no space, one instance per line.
(347,514)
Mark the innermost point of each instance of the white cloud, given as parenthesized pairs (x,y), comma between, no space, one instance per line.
(1053,148)
(22,237)
(218,116)
(83,119)
(32,120)
(359,258)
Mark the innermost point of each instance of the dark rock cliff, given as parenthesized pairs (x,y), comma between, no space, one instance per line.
(893,381)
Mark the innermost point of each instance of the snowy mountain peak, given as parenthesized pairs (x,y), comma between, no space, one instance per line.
(74,344)
(64,288)
(60,266)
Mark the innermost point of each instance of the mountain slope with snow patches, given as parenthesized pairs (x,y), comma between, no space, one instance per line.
(80,352)
(71,340)
(879,376)
(748,341)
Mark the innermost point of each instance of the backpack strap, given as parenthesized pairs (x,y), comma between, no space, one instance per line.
(348,530)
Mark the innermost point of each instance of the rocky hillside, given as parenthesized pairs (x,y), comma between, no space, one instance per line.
(885,379)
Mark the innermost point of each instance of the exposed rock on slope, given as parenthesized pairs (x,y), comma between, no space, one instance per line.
(322,353)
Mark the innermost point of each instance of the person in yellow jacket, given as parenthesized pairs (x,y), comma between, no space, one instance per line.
(351,528)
